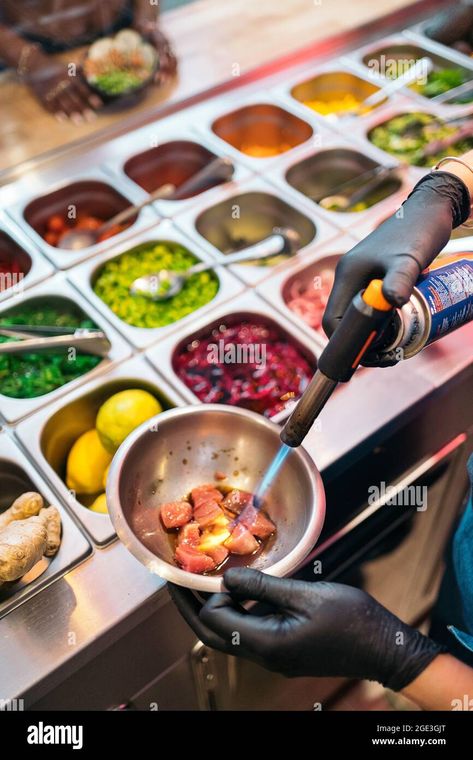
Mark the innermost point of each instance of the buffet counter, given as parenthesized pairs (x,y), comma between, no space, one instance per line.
(74,617)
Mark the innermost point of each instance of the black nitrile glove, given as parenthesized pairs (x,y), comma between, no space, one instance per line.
(402,247)
(315,629)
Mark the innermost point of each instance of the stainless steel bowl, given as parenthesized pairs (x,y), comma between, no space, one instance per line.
(169,455)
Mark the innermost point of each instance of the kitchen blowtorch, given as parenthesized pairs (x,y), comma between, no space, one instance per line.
(364,320)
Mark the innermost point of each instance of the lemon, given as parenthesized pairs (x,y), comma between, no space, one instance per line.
(100,504)
(122,413)
(105,476)
(86,464)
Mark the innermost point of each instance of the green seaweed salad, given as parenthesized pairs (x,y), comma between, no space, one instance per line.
(31,375)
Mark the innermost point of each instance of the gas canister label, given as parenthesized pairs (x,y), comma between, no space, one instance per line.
(448,292)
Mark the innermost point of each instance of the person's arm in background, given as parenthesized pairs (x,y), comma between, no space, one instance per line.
(326,630)
(63,95)
(406,243)
(442,684)
(146,21)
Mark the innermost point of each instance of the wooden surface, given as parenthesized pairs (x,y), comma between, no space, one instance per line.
(210,38)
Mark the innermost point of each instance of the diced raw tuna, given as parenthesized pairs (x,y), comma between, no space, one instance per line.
(189,534)
(241,541)
(219,475)
(207,513)
(193,560)
(176,513)
(236,500)
(257,522)
(203,494)
(219,554)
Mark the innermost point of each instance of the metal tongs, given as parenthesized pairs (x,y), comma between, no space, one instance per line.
(32,338)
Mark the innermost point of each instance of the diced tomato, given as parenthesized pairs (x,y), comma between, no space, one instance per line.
(189,534)
(52,238)
(257,522)
(207,513)
(88,223)
(56,223)
(193,560)
(241,541)
(175,513)
(237,500)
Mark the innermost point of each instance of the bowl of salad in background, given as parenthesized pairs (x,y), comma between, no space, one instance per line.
(124,64)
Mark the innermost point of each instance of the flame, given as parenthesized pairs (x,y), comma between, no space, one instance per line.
(216,534)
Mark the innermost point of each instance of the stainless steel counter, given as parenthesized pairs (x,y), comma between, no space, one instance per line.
(56,632)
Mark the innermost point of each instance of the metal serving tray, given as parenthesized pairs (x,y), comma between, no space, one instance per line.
(385,113)
(49,434)
(83,276)
(161,356)
(293,173)
(273,290)
(36,199)
(413,47)
(239,208)
(417,34)
(40,268)
(57,287)
(255,115)
(18,475)
(343,73)
(134,161)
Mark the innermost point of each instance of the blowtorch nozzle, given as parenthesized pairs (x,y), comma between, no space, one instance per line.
(307,409)
(365,318)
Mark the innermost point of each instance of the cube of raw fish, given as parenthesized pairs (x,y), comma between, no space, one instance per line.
(193,560)
(257,522)
(189,534)
(207,492)
(219,554)
(207,513)
(237,500)
(241,541)
(174,514)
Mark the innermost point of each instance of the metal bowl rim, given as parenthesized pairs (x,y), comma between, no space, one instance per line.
(202,582)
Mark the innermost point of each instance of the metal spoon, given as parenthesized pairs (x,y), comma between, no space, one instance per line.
(220,169)
(422,67)
(159,286)
(377,176)
(75,240)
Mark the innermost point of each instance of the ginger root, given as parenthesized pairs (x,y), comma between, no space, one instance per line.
(24,542)
(52,522)
(26,505)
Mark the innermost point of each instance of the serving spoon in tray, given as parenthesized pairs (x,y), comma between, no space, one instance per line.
(162,285)
(219,170)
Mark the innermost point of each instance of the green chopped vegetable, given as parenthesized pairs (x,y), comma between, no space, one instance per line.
(443,80)
(114,279)
(406,136)
(117,82)
(31,375)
